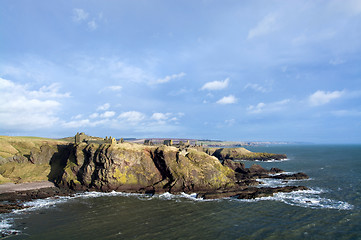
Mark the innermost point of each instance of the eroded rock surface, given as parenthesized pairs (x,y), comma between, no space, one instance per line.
(139,168)
(154,169)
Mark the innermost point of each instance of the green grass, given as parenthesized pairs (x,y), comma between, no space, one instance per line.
(9,146)
(23,172)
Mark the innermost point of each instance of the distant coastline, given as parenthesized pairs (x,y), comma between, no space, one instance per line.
(216,143)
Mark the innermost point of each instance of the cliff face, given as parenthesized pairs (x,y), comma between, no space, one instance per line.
(145,169)
(130,167)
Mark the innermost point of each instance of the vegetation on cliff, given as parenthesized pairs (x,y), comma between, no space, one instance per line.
(142,168)
(243,154)
(136,168)
(17,154)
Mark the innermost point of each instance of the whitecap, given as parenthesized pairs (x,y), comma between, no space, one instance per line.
(6,226)
(282,173)
(309,199)
(42,203)
(182,195)
(94,194)
(273,160)
(274,182)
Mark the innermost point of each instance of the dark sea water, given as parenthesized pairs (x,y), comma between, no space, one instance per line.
(330,210)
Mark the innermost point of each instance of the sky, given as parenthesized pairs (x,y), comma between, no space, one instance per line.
(228,70)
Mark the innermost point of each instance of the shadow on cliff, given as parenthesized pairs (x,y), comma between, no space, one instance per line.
(58,162)
(161,165)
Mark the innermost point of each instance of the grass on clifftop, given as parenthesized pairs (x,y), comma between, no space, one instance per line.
(23,172)
(9,146)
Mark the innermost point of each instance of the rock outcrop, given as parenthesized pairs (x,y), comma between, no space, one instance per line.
(139,168)
(242,154)
(155,169)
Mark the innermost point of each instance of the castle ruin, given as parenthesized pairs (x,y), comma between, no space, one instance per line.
(82,137)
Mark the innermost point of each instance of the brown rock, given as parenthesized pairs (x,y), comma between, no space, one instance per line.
(296,176)
(43,155)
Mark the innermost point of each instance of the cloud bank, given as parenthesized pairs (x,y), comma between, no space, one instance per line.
(25,109)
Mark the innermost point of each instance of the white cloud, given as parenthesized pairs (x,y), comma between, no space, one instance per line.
(50,91)
(132,116)
(112,68)
(21,108)
(94,115)
(269,107)
(160,116)
(107,114)
(256,108)
(256,87)
(216,85)
(79,116)
(84,123)
(92,25)
(169,78)
(79,15)
(179,92)
(227,100)
(103,107)
(265,26)
(114,88)
(321,97)
(130,121)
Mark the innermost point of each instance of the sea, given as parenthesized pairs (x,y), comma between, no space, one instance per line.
(331,209)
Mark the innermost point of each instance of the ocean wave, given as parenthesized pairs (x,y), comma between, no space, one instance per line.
(273,160)
(274,182)
(181,196)
(6,226)
(282,173)
(305,198)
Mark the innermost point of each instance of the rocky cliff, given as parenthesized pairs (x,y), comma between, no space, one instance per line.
(138,168)
(243,154)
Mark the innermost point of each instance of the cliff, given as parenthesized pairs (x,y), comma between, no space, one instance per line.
(243,154)
(16,163)
(138,168)
(133,167)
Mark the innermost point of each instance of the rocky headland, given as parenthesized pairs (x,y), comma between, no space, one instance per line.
(241,153)
(130,167)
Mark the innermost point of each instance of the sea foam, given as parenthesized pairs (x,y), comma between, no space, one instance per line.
(305,198)
(273,160)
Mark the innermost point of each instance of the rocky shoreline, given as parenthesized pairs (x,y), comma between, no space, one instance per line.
(246,187)
(10,201)
(135,168)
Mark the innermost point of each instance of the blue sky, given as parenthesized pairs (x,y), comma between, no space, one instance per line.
(230,70)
